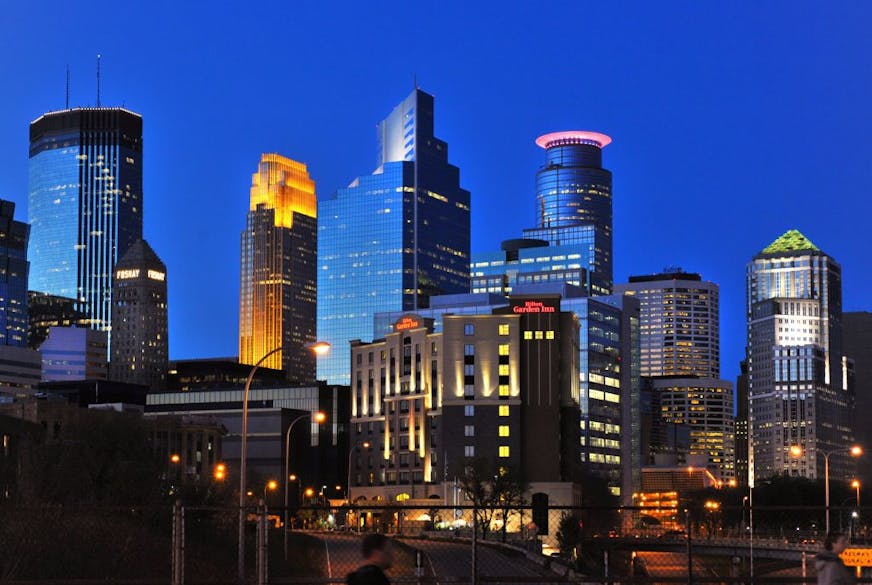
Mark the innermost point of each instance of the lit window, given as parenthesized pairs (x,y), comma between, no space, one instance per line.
(504,369)
(539,335)
(504,349)
(469,431)
(549,335)
(528,335)
(504,410)
(504,389)
(504,329)
(469,451)
(504,450)
(469,410)
(504,430)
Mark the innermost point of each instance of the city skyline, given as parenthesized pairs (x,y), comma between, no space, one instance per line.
(641,189)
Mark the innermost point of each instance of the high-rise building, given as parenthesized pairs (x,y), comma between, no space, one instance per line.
(74,353)
(705,407)
(680,365)
(574,200)
(742,425)
(800,382)
(608,396)
(85,203)
(140,350)
(393,239)
(278,275)
(857,345)
(13,278)
(679,324)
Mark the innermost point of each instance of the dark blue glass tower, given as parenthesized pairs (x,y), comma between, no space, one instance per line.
(85,203)
(391,240)
(13,277)
(574,200)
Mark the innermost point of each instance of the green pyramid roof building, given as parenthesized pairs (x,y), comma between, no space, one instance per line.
(790,241)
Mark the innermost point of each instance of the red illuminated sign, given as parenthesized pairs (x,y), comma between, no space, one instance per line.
(405,323)
(533,307)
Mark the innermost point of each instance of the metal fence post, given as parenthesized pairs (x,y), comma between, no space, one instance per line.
(606,565)
(804,557)
(178,555)
(474,580)
(689,526)
(261,541)
(178,544)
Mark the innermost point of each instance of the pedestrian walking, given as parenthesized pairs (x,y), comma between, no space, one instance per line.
(378,557)
(830,568)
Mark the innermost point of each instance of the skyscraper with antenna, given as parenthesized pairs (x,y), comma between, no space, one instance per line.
(84,202)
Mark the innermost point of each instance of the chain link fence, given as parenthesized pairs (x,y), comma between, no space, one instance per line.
(431,544)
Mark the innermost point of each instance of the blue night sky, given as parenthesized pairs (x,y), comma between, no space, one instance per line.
(731,124)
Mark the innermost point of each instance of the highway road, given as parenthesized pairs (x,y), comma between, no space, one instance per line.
(446,560)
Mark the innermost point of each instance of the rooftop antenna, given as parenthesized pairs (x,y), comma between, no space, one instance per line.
(67,102)
(98,80)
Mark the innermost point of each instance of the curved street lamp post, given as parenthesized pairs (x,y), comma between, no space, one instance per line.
(318,348)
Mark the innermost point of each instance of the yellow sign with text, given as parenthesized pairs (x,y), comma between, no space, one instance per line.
(857,557)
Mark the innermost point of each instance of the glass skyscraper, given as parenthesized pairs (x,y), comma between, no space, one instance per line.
(574,199)
(278,269)
(800,383)
(392,239)
(13,277)
(572,240)
(85,203)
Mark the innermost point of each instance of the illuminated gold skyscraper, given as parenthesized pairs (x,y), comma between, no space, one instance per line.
(278,273)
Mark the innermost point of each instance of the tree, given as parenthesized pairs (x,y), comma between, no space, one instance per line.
(569,534)
(492,490)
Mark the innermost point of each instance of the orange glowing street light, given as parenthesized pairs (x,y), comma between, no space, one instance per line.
(220,472)
(175,458)
(319,348)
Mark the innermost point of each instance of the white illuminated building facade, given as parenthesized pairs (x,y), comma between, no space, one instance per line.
(800,383)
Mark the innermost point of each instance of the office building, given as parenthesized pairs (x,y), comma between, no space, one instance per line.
(679,327)
(217,373)
(574,200)
(140,353)
(705,407)
(318,454)
(800,381)
(46,311)
(13,278)
(680,367)
(84,203)
(393,239)
(857,345)
(742,439)
(278,269)
(74,353)
(529,261)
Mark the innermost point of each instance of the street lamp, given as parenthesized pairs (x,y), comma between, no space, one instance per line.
(856,485)
(364,445)
(272,485)
(318,417)
(220,472)
(854,450)
(318,348)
